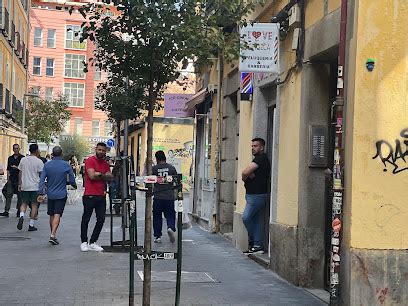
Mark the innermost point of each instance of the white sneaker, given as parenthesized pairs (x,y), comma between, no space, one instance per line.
(171,234)
(157,240)
(84,247)
(95,247)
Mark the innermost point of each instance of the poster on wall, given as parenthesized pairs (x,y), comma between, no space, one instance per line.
(175,105)
(259,50)
(176,140)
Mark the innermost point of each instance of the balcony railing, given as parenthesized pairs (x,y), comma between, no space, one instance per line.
(17,49)
(12,37)
(7,107)
(27,57)
(4,21)
(23,53)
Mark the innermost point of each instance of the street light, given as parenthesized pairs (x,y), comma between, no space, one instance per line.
(33,95)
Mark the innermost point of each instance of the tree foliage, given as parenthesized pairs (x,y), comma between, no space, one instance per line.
(45,119)
(75,146)
(146,41)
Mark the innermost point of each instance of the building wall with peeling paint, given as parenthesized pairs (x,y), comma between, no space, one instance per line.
(379,173)
(375,261)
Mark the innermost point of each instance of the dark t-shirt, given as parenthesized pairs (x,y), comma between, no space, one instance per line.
(164,191)
(259,184)
(14,170)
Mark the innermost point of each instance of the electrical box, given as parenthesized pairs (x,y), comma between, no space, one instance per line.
(294,16)
(295,40)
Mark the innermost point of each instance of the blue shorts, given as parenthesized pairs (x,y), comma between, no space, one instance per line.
(56,206)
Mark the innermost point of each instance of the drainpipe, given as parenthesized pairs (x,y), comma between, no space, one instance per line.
(218,174)
(338,166)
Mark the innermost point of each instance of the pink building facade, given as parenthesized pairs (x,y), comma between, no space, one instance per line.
(56,67)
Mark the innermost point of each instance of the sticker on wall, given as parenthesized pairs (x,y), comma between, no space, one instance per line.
(337,184)
(336,225)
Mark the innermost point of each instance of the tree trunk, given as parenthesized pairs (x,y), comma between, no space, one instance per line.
(148,211)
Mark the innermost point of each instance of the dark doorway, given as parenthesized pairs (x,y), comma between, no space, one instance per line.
(269,153)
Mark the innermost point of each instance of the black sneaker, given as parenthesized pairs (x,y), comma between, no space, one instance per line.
(20,223)
(4,214)
(32,228)
(53,241)
(256,250)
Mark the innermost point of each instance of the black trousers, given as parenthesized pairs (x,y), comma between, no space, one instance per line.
(91,203)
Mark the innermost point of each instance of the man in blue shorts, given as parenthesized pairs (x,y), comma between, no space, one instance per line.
(56,172)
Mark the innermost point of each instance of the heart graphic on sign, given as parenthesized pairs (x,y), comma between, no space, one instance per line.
(256,34)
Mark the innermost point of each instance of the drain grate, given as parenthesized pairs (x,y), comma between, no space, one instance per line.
(14,238)
(186,277)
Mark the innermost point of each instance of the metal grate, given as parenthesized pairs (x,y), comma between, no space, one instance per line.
(186,277)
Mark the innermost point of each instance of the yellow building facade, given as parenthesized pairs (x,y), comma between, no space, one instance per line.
(14,41)
(293,109)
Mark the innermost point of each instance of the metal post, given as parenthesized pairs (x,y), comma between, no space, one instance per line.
(24,115)
(179,237)
(132,230)
(125,187)
(23,119)
(111,218)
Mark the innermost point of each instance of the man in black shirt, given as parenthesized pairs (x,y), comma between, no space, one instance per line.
(11,186)
(256,178)
(163,202)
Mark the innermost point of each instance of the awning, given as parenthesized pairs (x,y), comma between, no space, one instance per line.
(198,98)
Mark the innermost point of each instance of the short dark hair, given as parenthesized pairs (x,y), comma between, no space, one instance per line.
(56,151)
(16,144)
(160,155)
(33,148)
(102,144)
(258,139)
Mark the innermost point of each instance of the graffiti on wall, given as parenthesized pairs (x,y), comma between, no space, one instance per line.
(394,155)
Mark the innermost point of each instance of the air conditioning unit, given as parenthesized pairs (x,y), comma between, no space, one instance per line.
(294,16)
(212,88)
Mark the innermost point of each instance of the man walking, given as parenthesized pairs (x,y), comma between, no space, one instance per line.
(11,186)
(29,177)
(256,178)
(163,202)
(97,172)
(55,172)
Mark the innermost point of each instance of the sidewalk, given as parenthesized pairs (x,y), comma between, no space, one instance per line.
(32,272)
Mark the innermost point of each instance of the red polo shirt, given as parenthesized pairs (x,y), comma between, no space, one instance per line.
(95,187)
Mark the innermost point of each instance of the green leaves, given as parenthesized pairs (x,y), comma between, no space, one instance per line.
(45,119)
(75,145)
(146,40)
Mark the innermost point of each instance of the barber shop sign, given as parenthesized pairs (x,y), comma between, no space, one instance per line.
(259,48)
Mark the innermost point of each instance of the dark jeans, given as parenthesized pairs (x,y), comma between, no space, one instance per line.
(165,207)
(90,203)
(11,189)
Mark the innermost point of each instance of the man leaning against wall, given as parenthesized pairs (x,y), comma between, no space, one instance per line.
(256,178)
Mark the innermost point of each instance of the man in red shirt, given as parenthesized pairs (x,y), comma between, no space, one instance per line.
(97,172)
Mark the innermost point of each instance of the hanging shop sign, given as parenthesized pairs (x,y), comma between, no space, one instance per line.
(259,48)
(175,105)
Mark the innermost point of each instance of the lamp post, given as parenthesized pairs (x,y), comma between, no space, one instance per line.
(33,95)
